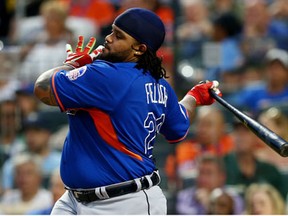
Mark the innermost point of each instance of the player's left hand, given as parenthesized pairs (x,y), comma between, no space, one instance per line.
(82,57)
(201,94)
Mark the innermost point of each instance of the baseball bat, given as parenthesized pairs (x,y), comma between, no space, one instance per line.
(274,141)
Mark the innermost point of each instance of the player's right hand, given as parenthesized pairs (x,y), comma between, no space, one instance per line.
(201,94)
(82,57)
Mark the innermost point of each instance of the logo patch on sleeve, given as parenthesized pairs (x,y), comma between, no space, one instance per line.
(76,73)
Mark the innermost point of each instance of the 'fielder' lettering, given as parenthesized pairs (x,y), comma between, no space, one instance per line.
(156,93)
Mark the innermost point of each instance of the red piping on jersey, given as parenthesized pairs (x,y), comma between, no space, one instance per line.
(106,130)
(178,140)
(55,92)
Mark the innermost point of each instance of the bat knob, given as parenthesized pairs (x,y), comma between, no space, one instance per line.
(284,150)
(215,83)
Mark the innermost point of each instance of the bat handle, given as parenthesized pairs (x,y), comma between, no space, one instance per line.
(217,97)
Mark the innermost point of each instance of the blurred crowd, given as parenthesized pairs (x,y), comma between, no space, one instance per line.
(222,167)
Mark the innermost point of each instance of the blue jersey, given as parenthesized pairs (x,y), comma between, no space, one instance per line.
(259,98)
(115,112)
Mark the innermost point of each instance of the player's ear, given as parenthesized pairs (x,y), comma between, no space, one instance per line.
(139,49)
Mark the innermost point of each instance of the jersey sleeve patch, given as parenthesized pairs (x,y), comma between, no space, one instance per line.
(76,73)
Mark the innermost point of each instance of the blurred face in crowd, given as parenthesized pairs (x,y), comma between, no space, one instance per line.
(261,203)
(256,13)
(54,23)
(210,126)
(218,33)
(194,10)
(27,177)
(245,140)
(37,139)
(54,14)
(27,103)
(8,116)
(276,73)
(209,176)
(221,203)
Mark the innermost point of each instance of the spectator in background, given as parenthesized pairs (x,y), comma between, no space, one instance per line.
(242,166)
(210,175)
(101,12)
(225,45)
(210,137)
(11,139)
(277,121)
(218,7)
(28,194)
(9,68)
(261,31)
(47,46)
(26,101)
(250,75)
(7,11)
(193,28)
(263,199)
(57,189)
(221,202)
(31,7)
(37,132)
(274,91)
(279,10)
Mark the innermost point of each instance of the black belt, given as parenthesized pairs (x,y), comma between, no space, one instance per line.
(118,189)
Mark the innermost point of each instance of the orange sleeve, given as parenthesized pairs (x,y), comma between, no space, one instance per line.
(166,14)
(186,151)
(101,11)
(170,167)
(227,144)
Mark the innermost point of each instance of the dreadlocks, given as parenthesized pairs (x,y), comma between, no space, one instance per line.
(149,61)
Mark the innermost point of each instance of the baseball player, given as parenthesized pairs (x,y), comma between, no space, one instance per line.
(117,101)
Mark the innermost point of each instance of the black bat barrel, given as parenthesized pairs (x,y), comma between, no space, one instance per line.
(274,141)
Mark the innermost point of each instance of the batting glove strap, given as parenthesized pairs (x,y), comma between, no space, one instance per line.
(78,60)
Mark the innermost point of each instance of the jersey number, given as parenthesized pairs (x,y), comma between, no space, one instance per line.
(153,125)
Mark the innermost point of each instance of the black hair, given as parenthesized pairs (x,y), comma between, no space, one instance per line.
(149,61)
(231,24)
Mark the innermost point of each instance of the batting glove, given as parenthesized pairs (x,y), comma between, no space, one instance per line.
(82,57)
(201,94)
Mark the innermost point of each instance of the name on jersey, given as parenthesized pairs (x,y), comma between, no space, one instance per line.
(156,93)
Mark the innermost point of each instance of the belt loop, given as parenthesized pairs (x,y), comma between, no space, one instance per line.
(138,183)
(148,178)
(158,175)
(101,193)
